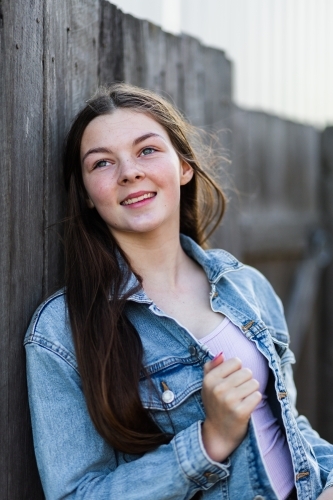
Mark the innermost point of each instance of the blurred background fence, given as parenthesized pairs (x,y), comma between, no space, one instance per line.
(279,183)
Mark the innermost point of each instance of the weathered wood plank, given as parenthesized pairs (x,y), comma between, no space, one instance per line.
(134,54)
(174,72)
(22,241)
(325,350)
(216,94)
(71,77)
(193,78)
(111,44)
(302,302)
(277,172)
(5,178)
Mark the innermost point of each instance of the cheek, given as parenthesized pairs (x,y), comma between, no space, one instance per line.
(99,191)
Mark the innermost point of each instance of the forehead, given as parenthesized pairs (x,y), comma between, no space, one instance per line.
(118,128)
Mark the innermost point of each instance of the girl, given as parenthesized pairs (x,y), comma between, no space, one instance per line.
(131,396)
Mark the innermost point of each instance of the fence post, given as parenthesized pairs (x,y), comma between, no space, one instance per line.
(21,253)
(325,354)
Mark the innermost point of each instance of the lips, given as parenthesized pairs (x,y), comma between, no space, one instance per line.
(136,197)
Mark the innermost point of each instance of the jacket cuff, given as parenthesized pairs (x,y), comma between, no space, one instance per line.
(195,462)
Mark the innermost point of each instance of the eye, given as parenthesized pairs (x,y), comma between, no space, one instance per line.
(147,151)
(101,163)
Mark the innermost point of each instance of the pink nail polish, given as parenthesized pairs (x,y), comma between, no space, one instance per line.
(218,356)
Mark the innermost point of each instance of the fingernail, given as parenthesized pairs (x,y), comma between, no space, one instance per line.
(217,356)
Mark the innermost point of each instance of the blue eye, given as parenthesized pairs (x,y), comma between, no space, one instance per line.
(101,163)
(147,151)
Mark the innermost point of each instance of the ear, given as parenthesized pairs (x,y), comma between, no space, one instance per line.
(90,203)
(186,173)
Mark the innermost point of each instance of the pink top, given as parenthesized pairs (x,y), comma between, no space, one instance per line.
(272,442)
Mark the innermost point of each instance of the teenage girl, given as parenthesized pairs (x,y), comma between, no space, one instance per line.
(161,370)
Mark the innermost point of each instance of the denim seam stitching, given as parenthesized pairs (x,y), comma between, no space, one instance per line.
(58,354)
(181,467)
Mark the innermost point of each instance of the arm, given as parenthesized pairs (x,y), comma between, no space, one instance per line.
(76,463)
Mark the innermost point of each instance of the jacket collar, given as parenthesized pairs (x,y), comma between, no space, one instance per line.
(215,263)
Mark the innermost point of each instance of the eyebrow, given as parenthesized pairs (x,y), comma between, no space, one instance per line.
(144,137)
(106,150)
(96,150)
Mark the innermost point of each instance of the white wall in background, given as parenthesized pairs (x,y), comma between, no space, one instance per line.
(282,50)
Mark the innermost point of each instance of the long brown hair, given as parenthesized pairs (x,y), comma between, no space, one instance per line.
(108,348)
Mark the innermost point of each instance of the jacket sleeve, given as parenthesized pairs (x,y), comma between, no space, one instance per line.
(322,450)
(75,462)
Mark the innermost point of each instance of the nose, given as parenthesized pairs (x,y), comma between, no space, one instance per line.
(129,171)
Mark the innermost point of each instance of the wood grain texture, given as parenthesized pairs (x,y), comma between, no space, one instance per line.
(22,238)
(325,350)
(71,45)
(111,45)
(5,178)
(278,177)
(47,73)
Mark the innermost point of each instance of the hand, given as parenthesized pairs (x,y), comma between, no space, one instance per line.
(229,394)
(327,494)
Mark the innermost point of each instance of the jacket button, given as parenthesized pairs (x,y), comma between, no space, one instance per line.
(168,396)
(212,478)
(192,350)
(259,497)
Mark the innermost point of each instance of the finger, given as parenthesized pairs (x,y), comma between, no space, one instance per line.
(231,395)
(222,371)
(238,377)
(248,405)
(217,360)
(226,368)
(235,395)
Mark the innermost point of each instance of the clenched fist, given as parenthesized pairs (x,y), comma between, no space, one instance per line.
(229,394)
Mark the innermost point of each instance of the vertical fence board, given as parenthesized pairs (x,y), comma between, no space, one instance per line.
(111,44)
(134,55)
(325,354)
(70,78)
(280,183)
(6,44)
(154,54)
(215,93)
(174,75)
(193,77)
(22,245)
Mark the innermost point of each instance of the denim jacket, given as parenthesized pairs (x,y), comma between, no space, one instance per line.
(75,462)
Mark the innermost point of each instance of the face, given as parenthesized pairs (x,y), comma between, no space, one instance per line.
(132,173)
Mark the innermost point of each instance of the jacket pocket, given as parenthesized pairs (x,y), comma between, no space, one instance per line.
(172,393)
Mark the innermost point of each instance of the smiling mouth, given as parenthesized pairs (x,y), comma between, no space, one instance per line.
(130,201)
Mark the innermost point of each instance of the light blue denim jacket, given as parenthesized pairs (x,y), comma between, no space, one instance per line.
(76,463)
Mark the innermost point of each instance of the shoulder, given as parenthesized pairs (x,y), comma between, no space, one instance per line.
(255,283)
(248,289)
(50,327)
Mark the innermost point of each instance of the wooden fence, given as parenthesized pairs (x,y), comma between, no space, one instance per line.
(53,56)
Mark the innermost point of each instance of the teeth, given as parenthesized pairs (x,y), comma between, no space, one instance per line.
(139,198)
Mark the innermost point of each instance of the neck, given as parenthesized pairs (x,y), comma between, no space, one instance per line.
(157,258)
